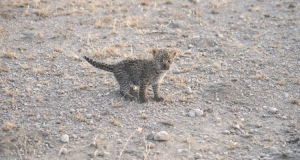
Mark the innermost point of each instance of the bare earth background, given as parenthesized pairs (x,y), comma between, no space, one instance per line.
(238,62)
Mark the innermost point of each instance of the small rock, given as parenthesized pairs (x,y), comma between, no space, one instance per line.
(151,136)
(284,117)
(88,116)
(198,156)
(226,132)
(106,153)
(45,134)
(188,90)
(182,150)
(264,107)
(190,46)
(161,136)
(64,138)
(151,145)
(129,151)
(119,141)
(258,125)
(76,57)
(72,110)
(293,140)
(64,151)
(235,126)
(192,113)
(199,112)
(273,110)
(217,120)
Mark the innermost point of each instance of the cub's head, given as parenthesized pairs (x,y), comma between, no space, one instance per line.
(163,59)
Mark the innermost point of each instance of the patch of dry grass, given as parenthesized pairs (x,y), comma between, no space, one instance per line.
(12,101)
(39,70)
(84,86)
(80,117)
(30,57)
(187,99)
(144,2)
(169,98)
(261,76)
(104,53)
(115,122)
(296,82)
(8,126)
(3,69)
(232,145)
(117,104)
(18,3)
(295,101)
(9,54)
(43,12)
(10,92)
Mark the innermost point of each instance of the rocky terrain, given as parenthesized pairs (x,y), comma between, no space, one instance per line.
(232,93)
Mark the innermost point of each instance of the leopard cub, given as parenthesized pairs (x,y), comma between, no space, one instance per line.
(140,72)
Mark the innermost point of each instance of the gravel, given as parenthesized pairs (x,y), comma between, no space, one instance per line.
(235,79)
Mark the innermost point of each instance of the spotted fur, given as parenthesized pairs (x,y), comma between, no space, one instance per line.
(142,73)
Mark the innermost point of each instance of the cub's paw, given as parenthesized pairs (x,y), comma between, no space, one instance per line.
(159,99)
(130,98)
(143,100)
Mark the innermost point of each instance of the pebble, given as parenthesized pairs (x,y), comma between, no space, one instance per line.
(151,136)
(284,117)
(104,153)
(199,112)
(161,136)
(226,132)
(151,145)
(76,57)
(64,138)
(64,151)
(235,126)
(198,156)
(192,113)
(258,125)
(190,46)
(72,110)
(182,150)
(88,116)
(217,120)
(264,107)
(119,141)
(273,110)
(188,90)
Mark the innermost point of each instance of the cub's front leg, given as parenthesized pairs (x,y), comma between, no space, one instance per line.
(142,92)
(157,97)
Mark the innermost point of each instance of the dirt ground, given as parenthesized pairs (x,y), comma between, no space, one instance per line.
(233,91)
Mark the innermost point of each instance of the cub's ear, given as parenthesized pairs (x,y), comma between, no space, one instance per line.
(173,53)
(154,51)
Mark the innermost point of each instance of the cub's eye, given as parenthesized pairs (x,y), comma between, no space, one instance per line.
(169,61)
(161,60)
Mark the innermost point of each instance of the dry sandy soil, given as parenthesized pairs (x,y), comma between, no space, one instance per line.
(238,62)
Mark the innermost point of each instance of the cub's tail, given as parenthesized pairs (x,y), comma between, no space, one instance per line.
(103,66)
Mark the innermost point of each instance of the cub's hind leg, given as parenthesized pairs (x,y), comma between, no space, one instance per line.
(125,83)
